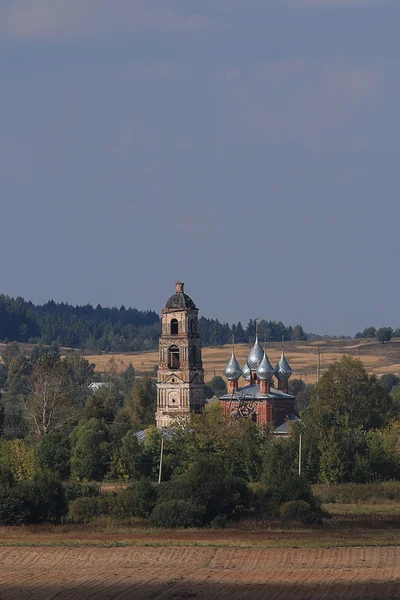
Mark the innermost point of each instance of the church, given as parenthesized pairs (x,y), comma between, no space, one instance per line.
(259,399)
(180,383)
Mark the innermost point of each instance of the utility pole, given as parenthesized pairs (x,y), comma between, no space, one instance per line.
(318,363)
(161,459)
(300,452)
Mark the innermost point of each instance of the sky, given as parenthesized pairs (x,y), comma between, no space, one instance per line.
(249,148)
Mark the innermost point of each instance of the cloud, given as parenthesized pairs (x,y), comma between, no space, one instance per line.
(65,19)
(93,19)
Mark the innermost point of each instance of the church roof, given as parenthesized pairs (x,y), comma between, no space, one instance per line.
(252,392)
(180,302)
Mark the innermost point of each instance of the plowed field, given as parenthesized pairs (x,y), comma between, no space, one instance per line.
(201,573)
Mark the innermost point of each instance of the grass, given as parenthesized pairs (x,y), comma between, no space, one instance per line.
(359,493)
(388,509)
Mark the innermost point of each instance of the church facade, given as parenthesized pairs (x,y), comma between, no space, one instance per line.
(259,399)
(180,384)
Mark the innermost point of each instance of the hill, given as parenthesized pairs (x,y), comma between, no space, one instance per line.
(377,358)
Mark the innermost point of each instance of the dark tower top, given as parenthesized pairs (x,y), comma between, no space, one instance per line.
(179,300)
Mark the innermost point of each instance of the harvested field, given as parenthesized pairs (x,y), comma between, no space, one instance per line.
(201,573)
(377,358)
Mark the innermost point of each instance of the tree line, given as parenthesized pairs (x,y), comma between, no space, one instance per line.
(54,429)
(116,329)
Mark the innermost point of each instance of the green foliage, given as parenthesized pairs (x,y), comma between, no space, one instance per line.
(126,458)
(384,334)
(12,506)
(84,510)
(347,391)
(19,457)
(217,385)
(389,381)
(142,402)
(177,513)
(75,489)
(123,504)
(145,497)
(101,405)
(54,454)
(6,476)
(90,450)
(369,333)
(208,484)
(298,510)
(43,498)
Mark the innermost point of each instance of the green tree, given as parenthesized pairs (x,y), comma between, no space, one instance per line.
(384,334)
(54,454)
(298,333)
(125,462)
(388,381)
(217,385)
(347,390)
(128,379)
(142,402)
(90,450)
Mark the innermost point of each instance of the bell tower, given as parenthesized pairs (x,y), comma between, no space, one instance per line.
(180,387)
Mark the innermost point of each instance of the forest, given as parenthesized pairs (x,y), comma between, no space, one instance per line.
(99,329)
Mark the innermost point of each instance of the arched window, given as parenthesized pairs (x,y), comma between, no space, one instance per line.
(173,358)
(194,355)
(174,327)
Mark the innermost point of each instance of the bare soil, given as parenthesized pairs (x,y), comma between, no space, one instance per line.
(199,572)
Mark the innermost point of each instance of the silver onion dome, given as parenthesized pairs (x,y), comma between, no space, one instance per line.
(265,369)
(255,356)
(246,372)
(233,371)
(283,370)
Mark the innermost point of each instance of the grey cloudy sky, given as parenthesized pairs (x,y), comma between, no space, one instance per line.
(247,147)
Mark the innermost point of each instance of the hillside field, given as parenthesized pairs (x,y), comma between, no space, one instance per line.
(377,358)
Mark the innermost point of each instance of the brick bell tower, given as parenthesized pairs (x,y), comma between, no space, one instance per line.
(180,387)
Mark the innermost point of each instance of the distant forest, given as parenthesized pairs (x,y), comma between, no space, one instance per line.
(116,329)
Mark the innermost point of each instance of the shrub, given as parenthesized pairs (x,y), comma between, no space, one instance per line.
(145,497)
(84,510)
(177,513)
(208,484)
(6,477)
(75,489)
(123,505)
(299,510)
(12,507)
(44,498)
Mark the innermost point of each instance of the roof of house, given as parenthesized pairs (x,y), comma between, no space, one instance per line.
(284,429)
(252,392)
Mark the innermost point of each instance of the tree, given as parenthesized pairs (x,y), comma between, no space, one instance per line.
(347,391)
(49,406)
(369,332)
(298,333)
(217,385)
(142,402)
(90,450)
(384,334)
(54,454)
(128,379)
(388,381)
